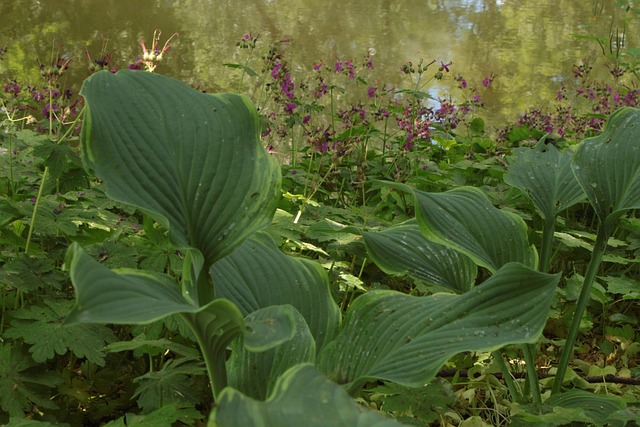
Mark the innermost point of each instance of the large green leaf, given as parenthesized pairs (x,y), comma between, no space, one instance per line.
(396,337)
(255,373)
(608,167)
(122,297)
(258,275)
(596,407)
(192,160)
(465,220)
(544,175)
(403,249)
(302,396)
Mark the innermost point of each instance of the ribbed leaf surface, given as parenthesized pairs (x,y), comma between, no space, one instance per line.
(302,396)
(255,373)
(544,175)
(193,160)
(121,297)
(396,337)
(465,220)
(608,166)
(403,250)
(258,275)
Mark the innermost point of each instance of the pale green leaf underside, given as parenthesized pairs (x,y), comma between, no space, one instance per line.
(396,337)
(302,396)
(608,166)
(258,275)
(402,249)
(544,175)
(465,220)
(254,371)
(192,160)
(125,297)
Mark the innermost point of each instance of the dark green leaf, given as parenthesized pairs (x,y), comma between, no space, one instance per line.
(43,328)
(544,175)
(258,275)
(129,296)
(465,220)
(402,249)
(191,159)
(253,370)
(391,336)
(291,404)
(608,167)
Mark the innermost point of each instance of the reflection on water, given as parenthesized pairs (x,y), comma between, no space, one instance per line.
(528,44)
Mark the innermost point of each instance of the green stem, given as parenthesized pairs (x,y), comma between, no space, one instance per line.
(529,351)
(546,247)
(214,361)
(585,294)
(35,210)
(508,379)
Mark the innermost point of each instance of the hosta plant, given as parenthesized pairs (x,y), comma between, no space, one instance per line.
(194,163)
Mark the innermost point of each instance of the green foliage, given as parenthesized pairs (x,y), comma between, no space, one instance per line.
(404,244)
(43,328)
(22,383)
(289,403)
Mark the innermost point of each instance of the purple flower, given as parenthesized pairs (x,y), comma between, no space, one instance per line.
(463,83)
(276,69)
(339,67)
(306,119)
(37,96)
(48,108)
(560,97)
(445,67)
(371,92)
(290,107)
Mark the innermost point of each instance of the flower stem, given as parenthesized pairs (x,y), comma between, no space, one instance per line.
(585,294)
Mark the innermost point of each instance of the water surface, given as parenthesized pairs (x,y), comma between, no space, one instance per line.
(528,44)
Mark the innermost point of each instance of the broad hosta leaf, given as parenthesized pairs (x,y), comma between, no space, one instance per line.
(405,339)
(128,296)
(191,159)
(43,328)
(402,249)
(608,166)
(302,396)
(255,372)
(271,326)
(544,175)
(596,407)
(465,220)
(258,275)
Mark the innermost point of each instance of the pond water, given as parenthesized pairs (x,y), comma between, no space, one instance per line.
(528,44)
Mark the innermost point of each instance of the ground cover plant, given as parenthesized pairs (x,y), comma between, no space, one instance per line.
(160,267)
